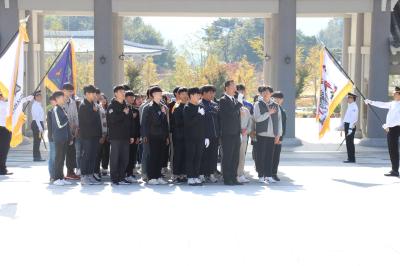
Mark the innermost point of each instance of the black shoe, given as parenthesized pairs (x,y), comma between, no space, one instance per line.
(349,161)
(6,173)
(39,160)
(229,183)
(125,182)
(115,183)
(97,178)
(236,183)
(392,173)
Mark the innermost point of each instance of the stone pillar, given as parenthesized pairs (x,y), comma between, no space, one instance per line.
(41,64)
(118,47)
(103,46)
(267,63)
(9,22)
(286,62)
(345,56)
(379,63)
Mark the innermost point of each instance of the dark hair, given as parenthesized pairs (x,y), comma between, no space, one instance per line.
(98,91)
(255,98)
(397,89)
(240,87)
(176,90)
(129,93)
(193,91)
(228,83)
(68,86)
(52,98)
(148,93)
(154,89)
(126,87)
(182,89)
(208,88)
(89,89)
(265,88)
(278,95)
(118,88)
(58,94)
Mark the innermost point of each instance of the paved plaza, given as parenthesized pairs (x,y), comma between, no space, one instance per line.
(323,212)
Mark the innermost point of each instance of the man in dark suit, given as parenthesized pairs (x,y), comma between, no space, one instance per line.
(229,115)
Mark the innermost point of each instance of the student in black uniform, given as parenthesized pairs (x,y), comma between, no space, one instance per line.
(90,134)
(278,98)
(155,133)
(120,134)
(194,124)
(134,113)
(178,140)
(229,113)
(210,155)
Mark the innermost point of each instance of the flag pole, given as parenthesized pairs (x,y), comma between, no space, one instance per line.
(345,73)
(45,75)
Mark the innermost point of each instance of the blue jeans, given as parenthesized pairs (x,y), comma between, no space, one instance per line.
(52,157)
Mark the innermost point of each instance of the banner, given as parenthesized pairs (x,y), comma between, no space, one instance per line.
(12,82)
(334,87)
(64,71)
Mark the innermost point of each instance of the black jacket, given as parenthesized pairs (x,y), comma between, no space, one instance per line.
(212,119)
(155,122)
(229,114)
(49,125)
(120,125)
(89,120)
(134,112)
(194,122)
(177,124)
(283,114)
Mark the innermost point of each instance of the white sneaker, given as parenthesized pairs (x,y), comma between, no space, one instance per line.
(93,181)
(202,179)
(66,182)
(213,179)
(58,182)
(271,180)
(78,171)
(153,182)
(132,179)
(161,181)
(191,181)
(198,181)
(261,179)
(85,180)
(242,179)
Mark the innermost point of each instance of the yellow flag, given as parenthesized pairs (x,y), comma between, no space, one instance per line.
(12,84)
(334,87)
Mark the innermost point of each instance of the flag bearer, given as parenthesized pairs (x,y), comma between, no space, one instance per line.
(349,125)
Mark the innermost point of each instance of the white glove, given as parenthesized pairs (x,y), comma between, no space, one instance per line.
(350,132)
(201,111)
(367,101)
(240,98)
(207,143)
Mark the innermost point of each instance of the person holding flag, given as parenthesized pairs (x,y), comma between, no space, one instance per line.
(392,127)
(37,126)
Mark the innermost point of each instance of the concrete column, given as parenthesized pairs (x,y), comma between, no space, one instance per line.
(9,22)
(41,63)
(103,46)
(286,62)
(267,62)
(345,56)
(379,64)
(118,46)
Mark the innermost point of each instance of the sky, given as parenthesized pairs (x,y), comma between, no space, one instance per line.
(180,29)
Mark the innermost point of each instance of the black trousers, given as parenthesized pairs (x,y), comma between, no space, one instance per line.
(393,144)
(89,153)
(265,155)
(178,163)
(61,149)
(210,158)
(230,157)
(36,139)
(71,158)
(156,157)
(5,138)
(119,156)
(193,152)
(132,159)
(351,151)
(276,159)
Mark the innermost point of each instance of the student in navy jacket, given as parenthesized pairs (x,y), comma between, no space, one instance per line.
(61,137)
(210,155)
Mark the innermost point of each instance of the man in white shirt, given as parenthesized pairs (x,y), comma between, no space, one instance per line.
(392,127)
(349,126)
(37,125)
(5,135)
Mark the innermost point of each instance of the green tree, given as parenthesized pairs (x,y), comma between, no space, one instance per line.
(302,71)
(133,74)
(149,73)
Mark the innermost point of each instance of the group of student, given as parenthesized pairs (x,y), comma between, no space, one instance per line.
(190,134)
